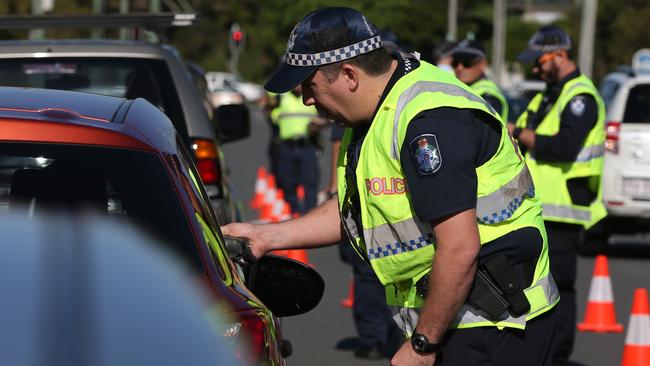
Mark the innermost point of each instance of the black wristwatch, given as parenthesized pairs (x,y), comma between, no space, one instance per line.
(421,345)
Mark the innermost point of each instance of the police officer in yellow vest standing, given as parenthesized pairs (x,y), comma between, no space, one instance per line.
(296,156)
(562,135)
(470,63)
(431,193)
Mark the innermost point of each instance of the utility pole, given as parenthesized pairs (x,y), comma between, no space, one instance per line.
(587,35)
(154,6)
(452,19)
(98,8)
(37,9)
(498,40)
(124,9)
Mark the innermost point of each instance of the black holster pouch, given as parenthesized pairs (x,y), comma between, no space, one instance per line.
(495,289)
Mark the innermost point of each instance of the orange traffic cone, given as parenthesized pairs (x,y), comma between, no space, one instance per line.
(349,301)
(260,188)
(600,316)
(300,193)
(299,255)
(637,340)
(278,206)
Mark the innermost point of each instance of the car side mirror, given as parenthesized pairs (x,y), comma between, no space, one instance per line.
(287,287)
(232,122)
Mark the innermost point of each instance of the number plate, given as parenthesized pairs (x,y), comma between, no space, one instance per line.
(636,187)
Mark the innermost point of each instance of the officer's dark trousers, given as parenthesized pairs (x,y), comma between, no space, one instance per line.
(297,164)
(563,242)
(489,346)
(372,317)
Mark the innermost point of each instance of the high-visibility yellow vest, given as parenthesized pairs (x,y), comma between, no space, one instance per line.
(486,86)
(397,244)
(551,177)
(292,116)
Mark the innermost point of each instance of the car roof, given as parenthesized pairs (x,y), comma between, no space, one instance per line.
(83,47)
(84,118)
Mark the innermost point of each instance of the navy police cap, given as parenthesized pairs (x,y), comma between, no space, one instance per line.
(322,37)
(547,39)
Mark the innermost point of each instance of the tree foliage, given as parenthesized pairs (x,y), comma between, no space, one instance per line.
(420,24)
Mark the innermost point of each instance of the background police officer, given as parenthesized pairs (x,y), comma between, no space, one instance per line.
(562,133)
(470,63)
(410,121)
(297,150)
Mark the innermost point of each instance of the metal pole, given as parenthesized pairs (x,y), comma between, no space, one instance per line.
(154,6)
(498,40)
(37,9)
(587,35)
(124,9)
(98,8)
(452,15)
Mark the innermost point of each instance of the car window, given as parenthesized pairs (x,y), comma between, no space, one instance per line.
(637,107)
(119,77)
(37,178)
(204,214)
(608,91)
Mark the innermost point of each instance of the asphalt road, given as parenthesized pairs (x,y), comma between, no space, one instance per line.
(325,335)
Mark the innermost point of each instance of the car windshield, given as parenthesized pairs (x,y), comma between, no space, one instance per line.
(126,184)
(637,108)
(119,77)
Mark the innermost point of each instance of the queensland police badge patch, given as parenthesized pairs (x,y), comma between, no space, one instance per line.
(426,153)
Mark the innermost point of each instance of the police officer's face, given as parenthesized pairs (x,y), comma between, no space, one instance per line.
(546,67)
(327,96)
(468,71)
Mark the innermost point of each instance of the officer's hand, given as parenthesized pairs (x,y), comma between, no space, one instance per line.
(253,233)
(406,356)
(511,127)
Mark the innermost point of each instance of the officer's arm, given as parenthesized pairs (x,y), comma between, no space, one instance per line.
(452,272)
(319,227)
(577,119)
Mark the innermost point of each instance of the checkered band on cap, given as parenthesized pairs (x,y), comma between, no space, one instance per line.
(340,54)
(533,45)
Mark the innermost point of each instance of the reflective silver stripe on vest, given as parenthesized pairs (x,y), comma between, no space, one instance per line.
(501,204)
(350,225)
(591,152)
(429,87)
(296,115)
(407,318)
(397,238)
(566,212)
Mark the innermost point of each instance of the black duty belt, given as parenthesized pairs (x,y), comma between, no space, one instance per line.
(301,142)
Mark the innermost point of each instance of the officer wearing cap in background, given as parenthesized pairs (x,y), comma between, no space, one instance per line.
(431,192)
(442,55)
(562,135)
(469,62)
(297,149)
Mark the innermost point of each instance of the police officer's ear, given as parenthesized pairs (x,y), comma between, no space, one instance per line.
(350,75)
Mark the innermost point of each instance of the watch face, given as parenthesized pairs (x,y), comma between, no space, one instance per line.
(419,343)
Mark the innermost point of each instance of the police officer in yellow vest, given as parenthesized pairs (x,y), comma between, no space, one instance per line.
(431,192)
(562,135)
(469,63)
(296,155)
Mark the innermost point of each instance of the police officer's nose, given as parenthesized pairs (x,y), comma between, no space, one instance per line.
(307,97)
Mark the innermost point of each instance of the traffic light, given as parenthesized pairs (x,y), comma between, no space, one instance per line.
(237,38)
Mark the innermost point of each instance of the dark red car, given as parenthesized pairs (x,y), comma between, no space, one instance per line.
(78,152)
